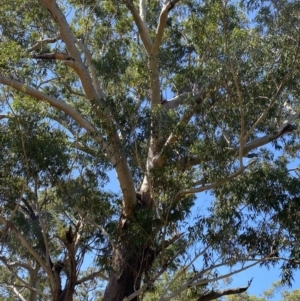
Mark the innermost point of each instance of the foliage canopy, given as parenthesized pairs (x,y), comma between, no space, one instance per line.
(177,98)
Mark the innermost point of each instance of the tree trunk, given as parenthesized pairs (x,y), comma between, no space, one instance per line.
(132,260)
(124,278)
(133,255)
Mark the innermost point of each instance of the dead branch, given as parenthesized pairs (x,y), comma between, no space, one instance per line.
(212,295)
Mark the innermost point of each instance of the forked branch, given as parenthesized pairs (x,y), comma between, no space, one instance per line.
(69,39)
(141,25)
(161,26)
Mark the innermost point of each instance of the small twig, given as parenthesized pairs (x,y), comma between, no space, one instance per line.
(97,226)
(213,185)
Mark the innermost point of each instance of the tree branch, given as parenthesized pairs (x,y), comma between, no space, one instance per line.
(167,243)
(149,282)
(211,186)
(284,129)
(144,287)
(29,248)
(44,229)
(212,295)
(159,159)
(272,102)
(37,86)
(143,10)
(33,283)
(64,124)
(191,283)
(97,227)
(3,116)
(173,137)
(13,264)
(17,293)
(154,80)
(69,40)
(92,68)
(62,106)
(173,103)
(41,42)
(72,263)
(84,148)
(54,56)
(113,150)
(141,25)
(182,271)
(91,277)
(161,26)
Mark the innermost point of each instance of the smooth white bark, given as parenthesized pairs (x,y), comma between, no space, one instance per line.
(62,106)
(69,40)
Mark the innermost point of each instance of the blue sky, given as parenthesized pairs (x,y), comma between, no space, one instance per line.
(262,279)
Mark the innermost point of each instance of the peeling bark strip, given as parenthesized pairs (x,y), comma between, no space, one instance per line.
(54,56)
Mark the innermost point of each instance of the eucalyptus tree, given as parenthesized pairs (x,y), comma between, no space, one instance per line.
(176,97)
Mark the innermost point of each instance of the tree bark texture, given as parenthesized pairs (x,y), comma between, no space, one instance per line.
(129,263)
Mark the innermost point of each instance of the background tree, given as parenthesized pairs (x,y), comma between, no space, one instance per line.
(178,98)
(270,294)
